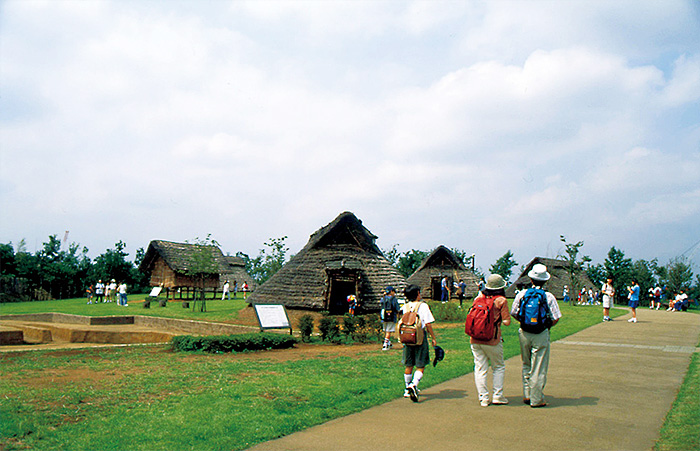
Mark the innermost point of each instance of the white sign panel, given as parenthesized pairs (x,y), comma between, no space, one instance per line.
(155,291)
(272,316)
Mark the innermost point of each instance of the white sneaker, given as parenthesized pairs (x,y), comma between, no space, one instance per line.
(632,320)
(406,394)
(484,403)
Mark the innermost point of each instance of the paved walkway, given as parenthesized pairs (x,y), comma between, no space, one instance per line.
(609,387)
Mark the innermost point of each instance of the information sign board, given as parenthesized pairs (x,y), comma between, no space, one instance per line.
(272,316)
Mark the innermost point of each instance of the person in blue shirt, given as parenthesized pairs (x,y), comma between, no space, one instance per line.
(633,300)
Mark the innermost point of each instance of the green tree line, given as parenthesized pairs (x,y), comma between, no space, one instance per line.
(56,273)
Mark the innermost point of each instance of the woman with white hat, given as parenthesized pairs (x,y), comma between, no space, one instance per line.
(489,352)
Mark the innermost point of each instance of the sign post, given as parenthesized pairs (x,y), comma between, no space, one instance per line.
(272,316)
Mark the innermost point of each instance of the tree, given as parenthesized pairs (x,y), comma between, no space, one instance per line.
(574,264)
(409,261)
(112,264)
(201,266)
(619,269)
(643,272)
(679,275)
(597,274)
(504,266)
(269,260)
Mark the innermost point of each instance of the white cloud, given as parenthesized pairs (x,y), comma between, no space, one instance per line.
(474,125)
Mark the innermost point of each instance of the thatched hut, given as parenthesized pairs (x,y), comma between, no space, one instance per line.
(340,259)
(170,264)
(559,271)
(440,263)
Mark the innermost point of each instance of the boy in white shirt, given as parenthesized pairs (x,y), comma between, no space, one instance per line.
(417,356)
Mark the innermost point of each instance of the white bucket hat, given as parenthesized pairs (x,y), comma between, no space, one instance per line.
(539,272)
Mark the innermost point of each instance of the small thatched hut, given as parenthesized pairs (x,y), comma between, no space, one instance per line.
(440,263)
(170,263)
(340,259)
(558,269)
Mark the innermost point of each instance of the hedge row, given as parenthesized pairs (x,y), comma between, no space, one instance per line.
(233,343)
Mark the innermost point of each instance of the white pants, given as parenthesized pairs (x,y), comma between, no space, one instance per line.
(485,355)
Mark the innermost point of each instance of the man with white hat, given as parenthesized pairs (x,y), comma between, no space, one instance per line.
(534,333)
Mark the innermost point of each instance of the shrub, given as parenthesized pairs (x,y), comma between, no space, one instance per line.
(350,324)
(368,329)
(329,329)
(449,311)
(233,343)
(306,327)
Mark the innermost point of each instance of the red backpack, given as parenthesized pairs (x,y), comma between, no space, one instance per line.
(481,319)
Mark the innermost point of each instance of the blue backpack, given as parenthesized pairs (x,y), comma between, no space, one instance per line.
(534,315)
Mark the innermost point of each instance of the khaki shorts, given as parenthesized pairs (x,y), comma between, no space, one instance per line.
(389,327)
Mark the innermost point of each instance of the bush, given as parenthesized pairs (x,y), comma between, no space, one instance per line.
(368,329)
(233,343)
(329,329)
(449,311)
(306,327)
(350,324)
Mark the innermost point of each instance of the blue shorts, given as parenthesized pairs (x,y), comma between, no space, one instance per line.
(633,304)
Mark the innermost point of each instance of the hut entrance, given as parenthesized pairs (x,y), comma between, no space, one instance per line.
(436,287)
(341,284)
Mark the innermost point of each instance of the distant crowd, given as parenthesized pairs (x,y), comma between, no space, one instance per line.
(100,293)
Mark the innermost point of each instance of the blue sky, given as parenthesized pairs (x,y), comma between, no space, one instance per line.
(483,126)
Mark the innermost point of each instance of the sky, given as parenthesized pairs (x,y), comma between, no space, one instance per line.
(482,126)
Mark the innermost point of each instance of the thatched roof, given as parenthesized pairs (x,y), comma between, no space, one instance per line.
(179,258)
(558,269)
(342,251)
(443,262)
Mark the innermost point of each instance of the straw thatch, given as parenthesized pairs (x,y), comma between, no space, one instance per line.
(340,259)
(169,263)
(443,262)
(558,269)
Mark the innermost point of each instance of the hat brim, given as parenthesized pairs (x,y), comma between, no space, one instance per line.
(538,276)
(495,288)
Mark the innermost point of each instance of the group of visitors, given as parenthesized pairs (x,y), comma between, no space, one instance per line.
(488,352)
(226,290)
(100,293)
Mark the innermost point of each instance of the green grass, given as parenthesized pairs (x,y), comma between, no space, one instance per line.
(150,398)
(217,310)
(681,430)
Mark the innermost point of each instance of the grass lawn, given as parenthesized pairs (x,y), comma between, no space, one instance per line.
(681,429)
(151,398)
(217,310)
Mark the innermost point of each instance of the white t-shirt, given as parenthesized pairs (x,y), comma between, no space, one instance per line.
(424,313)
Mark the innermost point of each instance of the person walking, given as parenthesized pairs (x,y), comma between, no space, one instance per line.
(225,291)
(444,285)
(633,300)
(122,295)
(461,291)
(389,312)
(608,292)
(490,352)
(99,292)
(535,340)
(417,356)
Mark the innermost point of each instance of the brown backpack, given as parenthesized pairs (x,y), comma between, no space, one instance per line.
(410,327)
